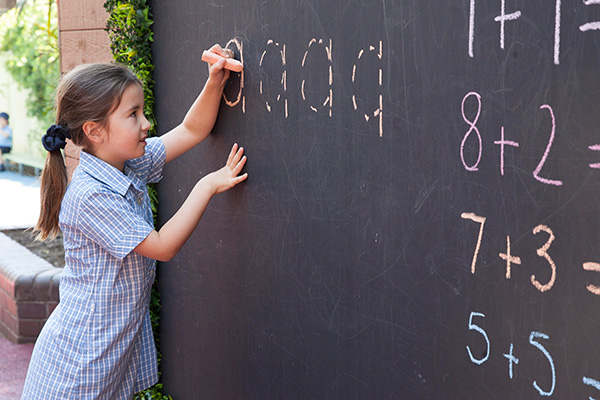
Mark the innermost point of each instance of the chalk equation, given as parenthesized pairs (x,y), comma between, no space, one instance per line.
(472,123)
(535,339)
(473,133)
(503,18)
(538,340)
(543,252)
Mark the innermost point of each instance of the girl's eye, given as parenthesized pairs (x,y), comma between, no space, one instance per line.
(132,114)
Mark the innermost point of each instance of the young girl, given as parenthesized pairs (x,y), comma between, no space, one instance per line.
(98,343)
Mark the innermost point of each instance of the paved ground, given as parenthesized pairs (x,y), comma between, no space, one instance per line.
(14,360)
(19,208)
(19,200)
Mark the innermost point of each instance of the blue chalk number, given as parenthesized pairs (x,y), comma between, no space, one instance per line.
(473,327)
(532,340)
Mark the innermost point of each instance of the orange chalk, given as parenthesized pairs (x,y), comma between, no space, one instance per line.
(230,63)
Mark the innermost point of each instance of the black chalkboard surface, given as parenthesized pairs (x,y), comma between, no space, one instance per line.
(421,218)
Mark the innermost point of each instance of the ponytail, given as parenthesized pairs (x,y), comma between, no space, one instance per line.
(52,190)
(54,182)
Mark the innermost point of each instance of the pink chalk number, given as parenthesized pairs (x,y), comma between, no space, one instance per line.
(538,169)
(471,129)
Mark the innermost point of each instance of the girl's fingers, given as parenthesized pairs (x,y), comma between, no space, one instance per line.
(238,156)
(240,178)
(220,51)
(219,68)
(232,153)
(239,165)
(236,162)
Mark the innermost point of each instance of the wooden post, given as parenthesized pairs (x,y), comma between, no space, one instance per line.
(6,5)
(82,39)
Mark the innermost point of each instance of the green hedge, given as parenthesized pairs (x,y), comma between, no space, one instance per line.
(129,28)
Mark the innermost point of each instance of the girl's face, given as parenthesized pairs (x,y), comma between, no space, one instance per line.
(127,129)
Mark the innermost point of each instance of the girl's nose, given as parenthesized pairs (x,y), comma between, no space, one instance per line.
(146,125)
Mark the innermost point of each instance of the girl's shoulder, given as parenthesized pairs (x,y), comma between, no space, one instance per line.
(89,199)
(82,188)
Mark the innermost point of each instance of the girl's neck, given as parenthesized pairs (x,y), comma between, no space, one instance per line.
(120,165)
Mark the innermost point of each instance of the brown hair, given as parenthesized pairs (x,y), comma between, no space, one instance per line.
(89,92)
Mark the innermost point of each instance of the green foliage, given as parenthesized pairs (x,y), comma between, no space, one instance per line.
(129,28)
(29,36)
(153,393)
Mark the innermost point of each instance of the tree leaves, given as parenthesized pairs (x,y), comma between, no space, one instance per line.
(29,36)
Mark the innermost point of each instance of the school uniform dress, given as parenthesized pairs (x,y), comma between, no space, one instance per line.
(98,342)
(6,141)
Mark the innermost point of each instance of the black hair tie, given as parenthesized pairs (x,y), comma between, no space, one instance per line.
(55,138)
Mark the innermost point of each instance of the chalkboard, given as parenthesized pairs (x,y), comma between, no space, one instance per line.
(421,217)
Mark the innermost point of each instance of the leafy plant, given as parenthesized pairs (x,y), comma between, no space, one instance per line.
(29,37)
(129,29)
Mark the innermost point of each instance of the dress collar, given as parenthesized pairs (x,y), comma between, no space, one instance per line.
(109,175)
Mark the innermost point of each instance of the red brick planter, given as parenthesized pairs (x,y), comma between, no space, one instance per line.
(28,291)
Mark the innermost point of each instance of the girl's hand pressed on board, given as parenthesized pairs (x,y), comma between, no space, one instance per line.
(217,72)
(229,176)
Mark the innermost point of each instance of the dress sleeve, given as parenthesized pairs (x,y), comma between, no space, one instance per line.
(109,221)
(149,166)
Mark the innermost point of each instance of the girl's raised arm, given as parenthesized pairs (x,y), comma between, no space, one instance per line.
(201,117)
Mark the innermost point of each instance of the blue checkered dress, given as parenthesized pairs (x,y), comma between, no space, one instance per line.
(98,343)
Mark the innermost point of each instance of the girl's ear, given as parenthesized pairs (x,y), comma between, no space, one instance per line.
(94,132)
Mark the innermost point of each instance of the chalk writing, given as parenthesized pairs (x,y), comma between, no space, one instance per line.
(539,167)
(476,328)
(281,50)
(379,111)
(317,106)
(511,360)
(502,142)
(591,382)
(502,18)
(509,258)
(328,99)
(480,220)
(543,252)
(471,26)
(592,266)
(240,95)
(472,127)
(532,341)
(595,147)
(557,32)
(590,26)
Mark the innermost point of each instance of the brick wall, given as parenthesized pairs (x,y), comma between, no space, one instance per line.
(82,40)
